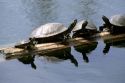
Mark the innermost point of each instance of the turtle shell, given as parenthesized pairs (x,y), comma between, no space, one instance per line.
(47,30)
(118,20)
(90,25)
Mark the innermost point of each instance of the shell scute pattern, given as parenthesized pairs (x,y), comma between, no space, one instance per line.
(118,20)
(49,29)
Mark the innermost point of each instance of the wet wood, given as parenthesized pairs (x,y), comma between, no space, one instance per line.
(113,38)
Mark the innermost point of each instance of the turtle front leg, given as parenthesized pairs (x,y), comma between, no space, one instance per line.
(65,37)
(31,44)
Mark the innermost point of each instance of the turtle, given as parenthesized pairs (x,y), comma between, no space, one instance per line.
(116,24)
(50,32)
(84,28)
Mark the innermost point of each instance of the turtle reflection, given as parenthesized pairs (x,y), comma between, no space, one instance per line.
(60,55)
(28,59)
(85,49)
(116,43)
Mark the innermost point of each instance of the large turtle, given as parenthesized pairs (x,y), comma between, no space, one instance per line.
(50,32)
(84,28)
(116,24)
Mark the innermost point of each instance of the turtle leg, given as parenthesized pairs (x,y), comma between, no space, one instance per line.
(65,37)
(101,28)
(31,44)
(106,48)
(112,30)
(85,57)
(71,57)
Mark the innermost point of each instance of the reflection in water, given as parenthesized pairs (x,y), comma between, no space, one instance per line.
(109,43)
(56,56)
(60,55)
(28,59)
(106,48)
(85,49)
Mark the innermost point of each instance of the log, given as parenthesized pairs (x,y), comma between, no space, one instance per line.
(108,38)
(50,47)
(46,47)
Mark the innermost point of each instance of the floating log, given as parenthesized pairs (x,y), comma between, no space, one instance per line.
(46,47)
(50,47)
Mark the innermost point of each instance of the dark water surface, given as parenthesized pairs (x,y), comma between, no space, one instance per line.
(83,64)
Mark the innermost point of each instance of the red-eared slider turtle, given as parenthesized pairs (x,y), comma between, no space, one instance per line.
(50,32)
(116,24)
(84,28)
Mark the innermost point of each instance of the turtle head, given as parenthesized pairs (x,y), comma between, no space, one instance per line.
(70,28)
(72,25)
(106,20)
(107,25)
(75,21)
(84,24)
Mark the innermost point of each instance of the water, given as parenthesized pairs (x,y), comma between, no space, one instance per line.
(20,17)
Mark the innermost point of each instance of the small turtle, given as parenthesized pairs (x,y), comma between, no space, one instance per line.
(50,32)
(84,28)
(116,24)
